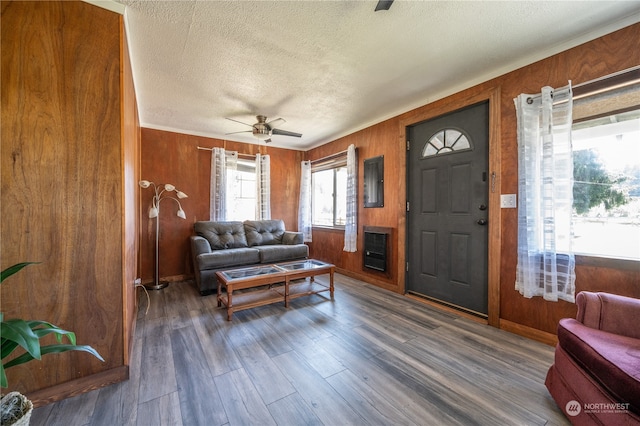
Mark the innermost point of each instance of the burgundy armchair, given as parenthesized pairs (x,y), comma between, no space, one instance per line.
(595,378)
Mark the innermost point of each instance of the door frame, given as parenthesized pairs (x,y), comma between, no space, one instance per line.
(494,242)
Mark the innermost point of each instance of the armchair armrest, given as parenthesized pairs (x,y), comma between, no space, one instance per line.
(291,237)
(609,312)
(199,245)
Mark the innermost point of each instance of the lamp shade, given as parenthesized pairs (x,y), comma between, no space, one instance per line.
(181,214)
(169,187)
(153,212)
(181,194)
(144,183)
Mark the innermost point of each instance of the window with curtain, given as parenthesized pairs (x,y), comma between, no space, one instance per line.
(240,186)
(328,196)
(598,124)
(546,263)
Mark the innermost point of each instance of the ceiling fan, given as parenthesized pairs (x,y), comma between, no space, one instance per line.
(263,130)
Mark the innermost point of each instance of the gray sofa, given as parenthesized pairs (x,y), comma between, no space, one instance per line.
(230,245)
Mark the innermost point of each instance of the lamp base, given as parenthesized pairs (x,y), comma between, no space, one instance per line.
(159,286)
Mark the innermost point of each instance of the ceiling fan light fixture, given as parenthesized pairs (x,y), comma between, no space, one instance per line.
(262,134)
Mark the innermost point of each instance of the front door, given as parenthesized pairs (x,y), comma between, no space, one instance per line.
(447,171)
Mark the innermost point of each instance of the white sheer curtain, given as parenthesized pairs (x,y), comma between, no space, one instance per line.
(263,187)
(351,226)
(221,163)
(546,264)
(304,208)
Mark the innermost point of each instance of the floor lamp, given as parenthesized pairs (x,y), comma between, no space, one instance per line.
(161,192)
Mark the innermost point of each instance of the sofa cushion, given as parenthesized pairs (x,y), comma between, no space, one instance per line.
(222,235)
(290,237)
(227,258)
(282,253)
(264,232)
(611,359)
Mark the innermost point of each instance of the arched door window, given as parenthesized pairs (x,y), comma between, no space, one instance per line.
(446,141)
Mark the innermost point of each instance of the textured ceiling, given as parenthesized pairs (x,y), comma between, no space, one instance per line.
(330,68)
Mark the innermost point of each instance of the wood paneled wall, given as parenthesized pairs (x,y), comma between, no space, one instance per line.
(381,139)
(608,54)
(169,157)
(63,188)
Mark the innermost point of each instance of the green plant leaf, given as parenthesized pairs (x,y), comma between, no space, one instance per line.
(42,328)
(7,347)
(3,377)
(51,349)
(13,269)
(19,331)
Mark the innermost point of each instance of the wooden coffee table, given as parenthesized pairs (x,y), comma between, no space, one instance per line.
(266,276)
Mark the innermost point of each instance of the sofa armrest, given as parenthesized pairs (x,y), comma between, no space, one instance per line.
(291,237)
(199,245)
(609,312)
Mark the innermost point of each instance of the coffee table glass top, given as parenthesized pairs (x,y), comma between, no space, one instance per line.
(303,265)
(256,271)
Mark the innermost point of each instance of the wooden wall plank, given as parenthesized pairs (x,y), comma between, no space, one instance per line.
(62,182)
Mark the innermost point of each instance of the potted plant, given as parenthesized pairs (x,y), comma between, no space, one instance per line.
(15,409)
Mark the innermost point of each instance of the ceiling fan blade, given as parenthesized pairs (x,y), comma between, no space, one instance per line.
(285,133)
(383,5)
(244,131)
(274,123)
(231,119)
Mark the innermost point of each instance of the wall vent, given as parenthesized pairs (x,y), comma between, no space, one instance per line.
(375,250)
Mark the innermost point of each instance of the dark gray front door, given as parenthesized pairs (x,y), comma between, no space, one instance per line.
(447,171)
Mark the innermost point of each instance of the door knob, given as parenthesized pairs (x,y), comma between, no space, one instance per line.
(481,222)
(482,207)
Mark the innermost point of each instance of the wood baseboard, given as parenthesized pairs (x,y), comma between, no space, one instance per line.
(172,279)
(529,332)
(79,386)
(368,279)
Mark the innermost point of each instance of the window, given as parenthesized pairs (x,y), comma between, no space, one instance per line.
(446,141)
(606,187)
(241,187)
(329,193)
(606,170)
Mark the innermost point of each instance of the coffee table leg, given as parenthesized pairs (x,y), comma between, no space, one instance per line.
(219,294)
(286,292)
(229,302)
(331,283)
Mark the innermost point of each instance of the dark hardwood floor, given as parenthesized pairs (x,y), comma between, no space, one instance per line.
(368,357)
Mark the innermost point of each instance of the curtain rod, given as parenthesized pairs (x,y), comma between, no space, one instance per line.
(329,157)
(246,156)
(606,83)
